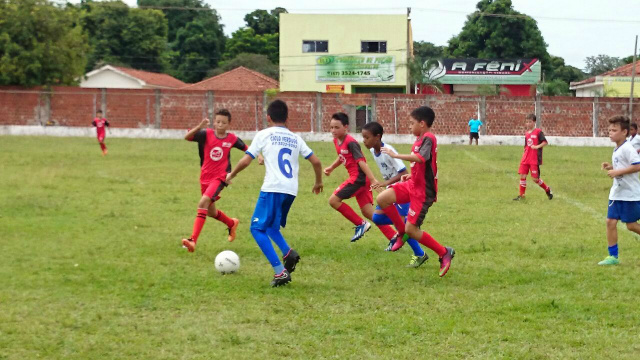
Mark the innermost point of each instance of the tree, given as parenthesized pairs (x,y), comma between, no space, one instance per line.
(599,64)
(563,72)
(196,37)
(509,35)
(263,22)
(424,50)
(40,44)
(555,87)
(245,40)
(259,63)
(123,36)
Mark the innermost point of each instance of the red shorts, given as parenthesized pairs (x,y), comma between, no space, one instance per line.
(101,137)
(525,168)
(418,206)
(351,188)
(213,189)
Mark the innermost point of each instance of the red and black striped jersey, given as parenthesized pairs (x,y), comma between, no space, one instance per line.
(425,174)
(215,154)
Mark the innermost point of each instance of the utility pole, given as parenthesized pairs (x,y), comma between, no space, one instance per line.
(633,77)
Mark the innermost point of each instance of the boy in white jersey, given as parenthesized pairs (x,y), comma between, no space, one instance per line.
(280,149)
(624,197)
(392,171)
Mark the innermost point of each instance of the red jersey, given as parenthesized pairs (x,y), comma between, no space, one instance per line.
(424,175)
(215,154)
(533,156)
(350,155)
(100,123)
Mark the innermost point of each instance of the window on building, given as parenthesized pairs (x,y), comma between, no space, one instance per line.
(373,46)
(310,46)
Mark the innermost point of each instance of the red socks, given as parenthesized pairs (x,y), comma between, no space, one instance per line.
(523,186)
(387,230)
(198,224)
(428,241)
(223,218)
(103,147)
(541,184)
(392,212)
(351,215)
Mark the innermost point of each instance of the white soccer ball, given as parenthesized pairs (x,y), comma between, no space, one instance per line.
(227,262)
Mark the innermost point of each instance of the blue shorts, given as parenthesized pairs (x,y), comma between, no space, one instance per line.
(403,209)
(271,210)
(625,211)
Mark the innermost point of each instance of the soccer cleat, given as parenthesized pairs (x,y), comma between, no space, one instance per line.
(392,242)
(416,261)
(360,230)
(609,260)
(518,198)
(445,261)
(281,279)
(291,260)
(549,194)
(232,230)
(400,243)
(189,244)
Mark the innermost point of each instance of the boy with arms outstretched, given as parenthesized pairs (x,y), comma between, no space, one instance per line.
(420,188)
(624,197)
(280,149)
(214,148)
(360,180)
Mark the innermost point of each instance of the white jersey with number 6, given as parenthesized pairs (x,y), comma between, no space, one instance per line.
(280,149)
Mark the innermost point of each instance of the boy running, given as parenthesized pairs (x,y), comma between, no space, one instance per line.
(214,148)
(99,123)
(420,188)
(534,141)
(392,171)
(358,184)
(624,197)
(280,149)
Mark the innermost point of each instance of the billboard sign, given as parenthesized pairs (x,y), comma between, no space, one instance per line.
(483,71)
(356,68)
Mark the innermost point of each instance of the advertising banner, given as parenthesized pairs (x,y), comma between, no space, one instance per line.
(484,71)
(356,68)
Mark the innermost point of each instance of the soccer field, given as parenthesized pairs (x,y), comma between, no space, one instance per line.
(91,266)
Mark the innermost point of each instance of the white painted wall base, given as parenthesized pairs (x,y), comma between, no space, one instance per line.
(149,133)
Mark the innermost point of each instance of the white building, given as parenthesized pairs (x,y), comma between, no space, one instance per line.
(115,77)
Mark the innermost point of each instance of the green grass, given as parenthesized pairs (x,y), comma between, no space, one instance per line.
(91,267)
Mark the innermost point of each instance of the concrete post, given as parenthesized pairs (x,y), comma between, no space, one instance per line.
(538,110)
(374,110)
(319,112)
(44,108)
(264,110)
(482,113)
(255,110)
(594,116)
(103,102)
(158,108)
(210,109)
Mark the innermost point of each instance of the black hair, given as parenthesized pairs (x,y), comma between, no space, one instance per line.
(224,112)
(278,111)
(634,126)
(374,128)
(99,111)
(622,121)
(424,113)
(342,117)
(531,117)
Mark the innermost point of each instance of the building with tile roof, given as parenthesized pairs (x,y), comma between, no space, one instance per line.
(117,77)
(238,79)
(614,83)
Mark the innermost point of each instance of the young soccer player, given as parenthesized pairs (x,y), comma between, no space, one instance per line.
(392,171)
(624,197)
(99,122)
(280,149)
(360,180)
(474,130)
(214,148)
(633,139)
(420,188)
(534,141)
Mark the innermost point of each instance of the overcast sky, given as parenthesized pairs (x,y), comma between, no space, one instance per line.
(574,29)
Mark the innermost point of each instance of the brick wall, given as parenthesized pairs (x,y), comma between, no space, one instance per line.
(179,109)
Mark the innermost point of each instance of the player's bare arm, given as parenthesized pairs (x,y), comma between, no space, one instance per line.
(317,168)
(328,170)
(395,179)
(606,166)
(539,146)
(411,157)
(367,171)
(628,170)
(242,164)
(203,125)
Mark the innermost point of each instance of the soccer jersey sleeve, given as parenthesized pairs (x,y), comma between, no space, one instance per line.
(425,149)
(305,150)
(93,123)
(470,122)
(541,138)
(356,151)
(240,145)
(397,163)
(200,137)
(256,146)
(634,157)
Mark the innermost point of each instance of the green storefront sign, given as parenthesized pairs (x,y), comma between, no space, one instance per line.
(356,68)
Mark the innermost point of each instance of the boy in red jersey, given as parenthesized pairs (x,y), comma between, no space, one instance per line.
(215,152)
(360,179)
(99,122)
(420,188)
(534,141)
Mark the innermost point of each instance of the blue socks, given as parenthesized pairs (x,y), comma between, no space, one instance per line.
(275,235)
(381,219)
(415,246)
(265,245)
(613,251)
